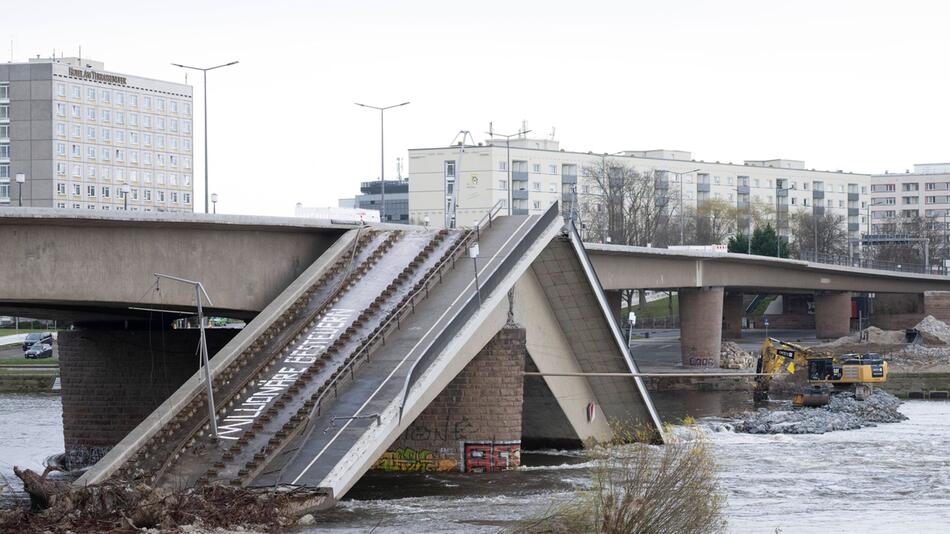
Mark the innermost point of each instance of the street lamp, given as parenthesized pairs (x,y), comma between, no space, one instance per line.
(382,155)
(204,73)
(508,156)
(682,218)
(125,196)
(20,180)
(214,202)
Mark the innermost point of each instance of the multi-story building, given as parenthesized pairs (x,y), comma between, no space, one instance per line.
(73,135)
(371,198)
(463,182)
(904,196)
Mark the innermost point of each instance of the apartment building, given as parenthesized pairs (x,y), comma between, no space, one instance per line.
(371,198)
(73,135)
(925,192)
(463,182)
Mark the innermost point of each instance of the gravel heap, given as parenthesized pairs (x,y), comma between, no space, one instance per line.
(731,356)
(872,336)
(934,331)
(842,413)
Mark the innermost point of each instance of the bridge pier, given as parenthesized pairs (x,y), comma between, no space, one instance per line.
(732,311)
(832,315)
(701,326)
(615,302)
(113,378)
(474,424)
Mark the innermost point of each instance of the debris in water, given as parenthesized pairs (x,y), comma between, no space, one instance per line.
(842,413)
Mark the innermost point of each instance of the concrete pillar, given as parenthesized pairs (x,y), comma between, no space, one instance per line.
(701,326)
(474,424)
(732,311)
(113,378)
(832,315)
(615,301)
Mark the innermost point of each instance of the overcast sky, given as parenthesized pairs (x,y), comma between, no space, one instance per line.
(859,86)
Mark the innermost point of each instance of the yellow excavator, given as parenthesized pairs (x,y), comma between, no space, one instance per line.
(827,374)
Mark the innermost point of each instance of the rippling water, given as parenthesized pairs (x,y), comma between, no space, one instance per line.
(885,479)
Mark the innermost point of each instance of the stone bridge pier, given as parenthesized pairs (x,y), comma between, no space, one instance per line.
(701,312)
(832,314)
(113,377)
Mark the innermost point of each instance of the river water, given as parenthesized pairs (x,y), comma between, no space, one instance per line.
(884,479)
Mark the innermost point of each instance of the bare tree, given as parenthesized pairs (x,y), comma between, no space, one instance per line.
(827,234)
(902,245)
(711,222)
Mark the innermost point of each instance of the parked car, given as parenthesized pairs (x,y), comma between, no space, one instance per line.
(39,350)
(7,322)
(37,337)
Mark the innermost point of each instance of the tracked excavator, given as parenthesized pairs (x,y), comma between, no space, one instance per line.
(827,374)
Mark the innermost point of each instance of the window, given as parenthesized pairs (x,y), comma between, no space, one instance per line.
(61,205)
(120,136)
(147,158)
(186,127)
(133,119)
(119,98)
(186,180)
(536,167)
(536,186)
(160,195)
(91,206)
(503,185)
(134,156)
(147,195)
(91,93)
(106,154)
(146,121)
(106,173)
(147,139)
(133,138)
(60,109)
(882,188)
(160,159)
(60,149)
(76,111)
(105,115)
(77,189)
(61,129)
(61,169)
(160,123)
(105,134)
(106,96)
(537,204)
(173,106)
(75,150)
(61,89)
(135,194)
(187,107)
(911,200)
(91,172)
(90,113)
(160,141)
(172,179)
(4,111)
(119,154)
(134,176)
(5,191)
(90,191)
(134,101)
(450,169)
(186,198)
(5,171)
(502,165)
(173,197)
(4,151)
(910,187)
(75,91)
(173,125)
(160,104)
(91,132)
(91,152)
(552,188)
(146,102)
(119,117)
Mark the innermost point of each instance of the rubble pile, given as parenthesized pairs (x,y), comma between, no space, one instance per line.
(872,335)
(933,331)
(843,412)
(731,356)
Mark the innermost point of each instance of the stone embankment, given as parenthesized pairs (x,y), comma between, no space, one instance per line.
(844,412)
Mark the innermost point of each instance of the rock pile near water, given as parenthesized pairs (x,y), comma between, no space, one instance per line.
(731,356)
(844,412)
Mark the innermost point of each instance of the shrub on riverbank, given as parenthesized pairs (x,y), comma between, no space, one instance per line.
(644,489)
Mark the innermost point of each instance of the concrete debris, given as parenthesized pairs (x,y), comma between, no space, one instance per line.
(842,413)
(934,331)
(872,336)
(731,356)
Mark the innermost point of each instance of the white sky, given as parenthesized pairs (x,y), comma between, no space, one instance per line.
(859,86)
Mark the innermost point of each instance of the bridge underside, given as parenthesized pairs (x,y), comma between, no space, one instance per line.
(330,376)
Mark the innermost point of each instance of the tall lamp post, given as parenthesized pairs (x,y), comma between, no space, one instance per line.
(20,180)
(214,203)
(204,73)
(682,217)
(508,156)
(382,155)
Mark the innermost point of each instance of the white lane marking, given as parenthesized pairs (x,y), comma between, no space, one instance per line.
(412,350)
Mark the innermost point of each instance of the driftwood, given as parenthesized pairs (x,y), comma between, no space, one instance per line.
(127,507)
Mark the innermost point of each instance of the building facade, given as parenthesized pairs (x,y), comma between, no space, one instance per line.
(397,199)
(925,193)
(73,135)
(464,182)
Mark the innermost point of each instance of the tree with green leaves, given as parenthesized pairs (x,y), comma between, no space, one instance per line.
(765,242)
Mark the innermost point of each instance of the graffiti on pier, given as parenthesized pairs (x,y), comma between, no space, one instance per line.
(491,456)
(446,431)
(409,460)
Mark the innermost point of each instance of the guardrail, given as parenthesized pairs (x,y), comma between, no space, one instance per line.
(471,306)
(867,263)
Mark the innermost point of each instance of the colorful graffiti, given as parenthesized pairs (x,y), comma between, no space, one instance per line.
(491,456)
(409,460)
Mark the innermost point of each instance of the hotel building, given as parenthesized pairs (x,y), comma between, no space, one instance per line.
(73,135)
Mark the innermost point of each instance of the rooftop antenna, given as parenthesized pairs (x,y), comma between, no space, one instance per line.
(491,130)
(552,133)
(80,56)
(11,50)
(524,126)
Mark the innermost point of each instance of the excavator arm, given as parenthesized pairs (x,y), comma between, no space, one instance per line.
(775,356)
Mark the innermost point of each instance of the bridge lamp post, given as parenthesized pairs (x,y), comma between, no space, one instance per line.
(204,73)
(682,214)
(199,291)
(382,155)
(20,180)
(214,203)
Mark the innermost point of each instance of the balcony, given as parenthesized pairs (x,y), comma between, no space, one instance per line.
(818,210)
(781,193)
(519,176)
(817,194)
(853,212)
(661,183)
(519,194)
(519,211)
(567,196)
(742,190)
(853,227)
(568,178)
(853,197)
(702,188)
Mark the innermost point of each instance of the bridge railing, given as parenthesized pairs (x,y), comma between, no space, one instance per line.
(870,263)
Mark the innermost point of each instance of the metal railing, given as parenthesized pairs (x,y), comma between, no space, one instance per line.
(870,263)
(471,306)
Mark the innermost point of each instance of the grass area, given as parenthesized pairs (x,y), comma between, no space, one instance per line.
(657,308)
(52,371)
(23,361)
(13,331)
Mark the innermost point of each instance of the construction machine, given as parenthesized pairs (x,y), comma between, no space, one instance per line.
(827,374)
